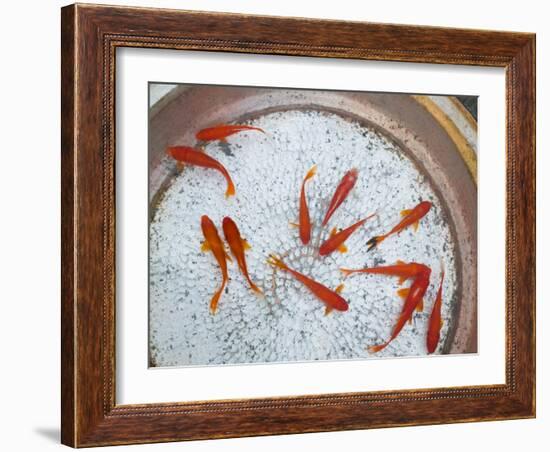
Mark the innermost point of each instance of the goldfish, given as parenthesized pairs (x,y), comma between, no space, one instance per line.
(304,223)
(331,298)
(192,156)
(238,245)
(337,239)
(435,323)
(410,217)
(222,131)
(341,193)
(401,269)
(413,301)
(213,242)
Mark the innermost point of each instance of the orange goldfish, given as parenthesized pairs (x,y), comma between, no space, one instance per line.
(192,156)
(341,193)
(238,245)
(331,298)
(435,323)
(304,221)
(410,217)
(402,270)
(413,301)
(213,242)
(337,239)
(222,131)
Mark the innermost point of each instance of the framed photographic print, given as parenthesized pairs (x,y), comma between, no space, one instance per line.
(261,216)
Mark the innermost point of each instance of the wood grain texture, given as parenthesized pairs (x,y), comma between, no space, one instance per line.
(90,36)
(67,227)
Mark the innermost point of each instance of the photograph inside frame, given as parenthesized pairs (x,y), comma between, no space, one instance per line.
(295,225)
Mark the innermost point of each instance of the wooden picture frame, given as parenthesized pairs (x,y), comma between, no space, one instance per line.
(90,37)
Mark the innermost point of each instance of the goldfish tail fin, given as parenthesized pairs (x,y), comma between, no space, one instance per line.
(215,300)
(312,172)
(230,189)
(346,272)
(276,262)
(372,215)
(256,289)
(375,241)
(377,348)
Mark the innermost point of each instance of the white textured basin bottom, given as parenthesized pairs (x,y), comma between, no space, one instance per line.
(289,324)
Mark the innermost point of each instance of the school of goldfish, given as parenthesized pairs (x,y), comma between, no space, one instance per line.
(417,273)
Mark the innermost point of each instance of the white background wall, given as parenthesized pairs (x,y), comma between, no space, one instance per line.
(29,255)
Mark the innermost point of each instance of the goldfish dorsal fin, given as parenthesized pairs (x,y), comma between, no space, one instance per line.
(420,305)
(328,310)
(399,262)
(405,212)
(205,246)
(246,245)
(340,288)
(343,248)
(403,292)
(415,226)
(333,231)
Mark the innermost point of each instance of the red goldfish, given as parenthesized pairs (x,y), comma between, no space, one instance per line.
(192,156)
(435,323)
(341,193)
(410,217)
(331,298)
(413,301)
(238,245)
(337,239)
(304,221)
(402,270)
(212,242)
(222,131)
